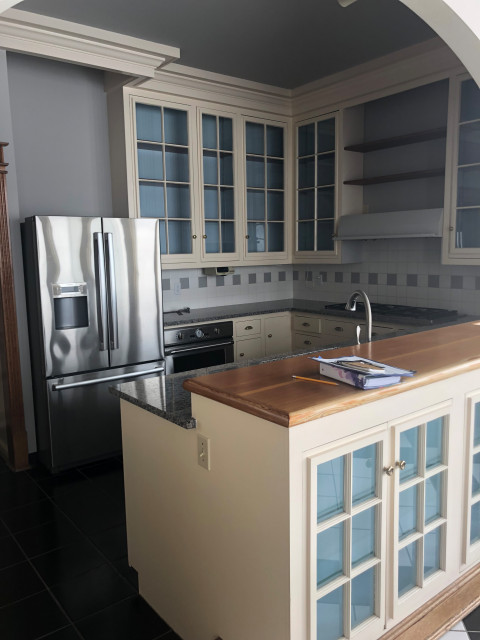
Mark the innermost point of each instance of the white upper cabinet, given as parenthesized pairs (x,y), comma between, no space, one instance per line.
(462,195)
(164,175)
(265,191)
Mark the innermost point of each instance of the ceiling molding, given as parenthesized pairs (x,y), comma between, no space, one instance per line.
(38,35)
(7,4)
(180,80)
(396,72)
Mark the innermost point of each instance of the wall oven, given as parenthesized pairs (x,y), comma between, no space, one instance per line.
(198,346)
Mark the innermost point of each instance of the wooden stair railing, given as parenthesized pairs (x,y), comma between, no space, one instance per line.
(13,436)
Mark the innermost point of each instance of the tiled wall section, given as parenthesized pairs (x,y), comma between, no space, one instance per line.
(190,287)
(391,271)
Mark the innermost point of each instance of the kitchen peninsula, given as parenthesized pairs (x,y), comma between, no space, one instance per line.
(301,511)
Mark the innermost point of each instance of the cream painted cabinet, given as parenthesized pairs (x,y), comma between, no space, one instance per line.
(399,475)
(262,335)
(471,536)
(462,197)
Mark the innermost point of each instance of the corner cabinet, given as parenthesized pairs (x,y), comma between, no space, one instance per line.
(462,192)
(216,179)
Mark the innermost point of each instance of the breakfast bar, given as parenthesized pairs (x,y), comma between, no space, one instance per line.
(292,510)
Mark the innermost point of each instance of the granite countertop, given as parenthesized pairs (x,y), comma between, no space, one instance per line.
(210,314)
(165,396)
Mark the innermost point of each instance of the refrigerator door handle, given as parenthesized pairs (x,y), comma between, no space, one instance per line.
(136,374)
(111,292)
(101,292)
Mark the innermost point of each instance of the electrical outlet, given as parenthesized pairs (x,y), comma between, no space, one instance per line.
(203,450)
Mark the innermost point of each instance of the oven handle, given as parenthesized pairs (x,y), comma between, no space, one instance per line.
(207,346)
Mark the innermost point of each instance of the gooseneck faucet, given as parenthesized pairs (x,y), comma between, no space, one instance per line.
(352,306)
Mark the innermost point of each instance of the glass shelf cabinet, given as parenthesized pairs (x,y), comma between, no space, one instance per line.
(265,190)
(472,519)
(218,178)
(164,173)
(317,186)
(462,233)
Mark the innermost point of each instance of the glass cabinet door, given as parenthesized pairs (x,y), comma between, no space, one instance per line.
(265,188)
(219,203)
(465,197)
(316,185)
(472,534)
(421,475)
(347,540)
(164,180)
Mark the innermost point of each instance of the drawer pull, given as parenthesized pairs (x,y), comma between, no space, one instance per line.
(269,335)
(307,342)
(248,327)
(305,324)
(339,329)
(241,355)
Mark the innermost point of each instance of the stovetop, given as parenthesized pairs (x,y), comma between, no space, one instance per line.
(429,314)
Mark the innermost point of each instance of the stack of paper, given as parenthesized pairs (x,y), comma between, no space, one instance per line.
(361,372)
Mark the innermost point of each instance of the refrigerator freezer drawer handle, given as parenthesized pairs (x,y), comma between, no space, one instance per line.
(111,292)
(60,387)
(101,291)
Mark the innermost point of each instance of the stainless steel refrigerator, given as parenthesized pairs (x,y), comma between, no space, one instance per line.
(94,299)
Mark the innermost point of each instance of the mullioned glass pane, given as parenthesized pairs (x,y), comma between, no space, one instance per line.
(209,131)
(409,453)
(407,512)
(330,554)
(434,453)
(149,122)
(433,497)
(363,597)
(175,124)
(407,569)
(330,616)
(364,473)
(330,488)
(363,536)
(431,551)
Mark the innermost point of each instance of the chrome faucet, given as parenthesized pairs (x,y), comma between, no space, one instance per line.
(352,306)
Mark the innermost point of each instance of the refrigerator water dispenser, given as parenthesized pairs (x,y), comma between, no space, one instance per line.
(70,305)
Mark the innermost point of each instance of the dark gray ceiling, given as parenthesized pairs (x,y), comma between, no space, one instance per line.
(285,43)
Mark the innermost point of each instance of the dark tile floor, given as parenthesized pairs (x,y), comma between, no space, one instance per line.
(64,573)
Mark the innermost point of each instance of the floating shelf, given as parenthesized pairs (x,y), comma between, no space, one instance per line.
(398,141)
(397,177)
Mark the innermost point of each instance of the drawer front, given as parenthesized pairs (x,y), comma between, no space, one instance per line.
(309,341)
(340,329)
(308,324)
(248,349)
(245,328)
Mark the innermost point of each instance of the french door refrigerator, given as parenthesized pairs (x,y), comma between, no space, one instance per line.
(94,302)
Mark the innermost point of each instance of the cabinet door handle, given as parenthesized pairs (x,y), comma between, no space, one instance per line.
(339,329)
(401,464)
(389,470)
(194,237)
(269,335)
(305,324)
(248,327)
(204,236)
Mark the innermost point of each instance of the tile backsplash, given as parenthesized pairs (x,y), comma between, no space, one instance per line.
(401,271)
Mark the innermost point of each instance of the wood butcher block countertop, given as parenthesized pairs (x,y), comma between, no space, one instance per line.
(268,390)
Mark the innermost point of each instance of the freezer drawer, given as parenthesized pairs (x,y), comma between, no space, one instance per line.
(85,417)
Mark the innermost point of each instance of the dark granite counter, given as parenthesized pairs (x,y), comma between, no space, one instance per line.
(165,396)
(210,314)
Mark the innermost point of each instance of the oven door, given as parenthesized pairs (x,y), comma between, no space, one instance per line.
(190,357)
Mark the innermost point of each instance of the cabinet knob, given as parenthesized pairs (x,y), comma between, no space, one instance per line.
(401,464)
(305,324)
(388,470)
(269,335)
(241,355)
(451,228)
(194,237)
(339,329)
(247,237)
(204,236)
(248,327)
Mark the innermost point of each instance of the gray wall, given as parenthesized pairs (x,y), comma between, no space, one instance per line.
(60,129)
(54,115)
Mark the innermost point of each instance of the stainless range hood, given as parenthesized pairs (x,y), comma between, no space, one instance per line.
(421,223)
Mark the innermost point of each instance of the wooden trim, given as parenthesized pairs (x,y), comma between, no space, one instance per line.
(441,613)
(10,380)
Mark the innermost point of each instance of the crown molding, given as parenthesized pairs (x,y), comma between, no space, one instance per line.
(180,80)
(38,35)
(7,4)
(404,69)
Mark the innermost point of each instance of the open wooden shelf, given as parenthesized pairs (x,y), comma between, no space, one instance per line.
(398,141)
(397,177)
